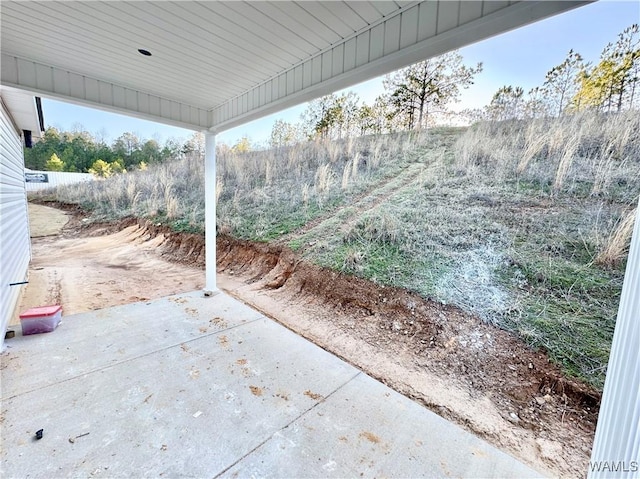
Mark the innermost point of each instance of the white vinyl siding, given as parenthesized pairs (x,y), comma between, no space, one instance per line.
(15,246)
(617,439)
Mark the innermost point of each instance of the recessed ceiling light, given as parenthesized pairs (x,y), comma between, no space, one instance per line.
(144,52)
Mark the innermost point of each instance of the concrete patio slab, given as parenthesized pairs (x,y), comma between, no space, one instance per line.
(89,341)
(189,386)
(365,429)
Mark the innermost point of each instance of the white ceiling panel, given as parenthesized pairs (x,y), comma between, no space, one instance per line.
(337,17)
(303,29)
(386,8)
(226,62)
(365,10)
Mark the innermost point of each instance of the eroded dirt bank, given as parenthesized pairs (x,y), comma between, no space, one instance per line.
(469,372)
(472,373)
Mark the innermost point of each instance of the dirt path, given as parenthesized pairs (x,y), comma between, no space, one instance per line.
(87,273)
(469,372)
(364,202)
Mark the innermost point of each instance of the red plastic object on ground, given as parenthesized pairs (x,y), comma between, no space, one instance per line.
(42,319)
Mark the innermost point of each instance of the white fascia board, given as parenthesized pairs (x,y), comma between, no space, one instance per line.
(22,110)
(414,33)
(52,82)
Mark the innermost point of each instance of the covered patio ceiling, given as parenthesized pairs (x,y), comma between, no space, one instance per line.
(215,65)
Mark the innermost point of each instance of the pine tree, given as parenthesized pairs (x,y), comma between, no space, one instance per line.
(101,169)
(612,84)
(506,104)
(415,92)
(561,83)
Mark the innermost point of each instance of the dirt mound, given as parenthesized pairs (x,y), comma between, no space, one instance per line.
(443,337)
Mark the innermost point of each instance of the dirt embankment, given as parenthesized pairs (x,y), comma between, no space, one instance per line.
(472,373)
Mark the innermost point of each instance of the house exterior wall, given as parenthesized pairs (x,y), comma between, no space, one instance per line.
(15,244)
(616,447)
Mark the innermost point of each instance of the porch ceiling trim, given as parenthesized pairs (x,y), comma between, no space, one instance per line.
(424,30)
(217,65)
(46,80)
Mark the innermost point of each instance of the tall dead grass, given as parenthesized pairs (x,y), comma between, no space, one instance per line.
(172,190)
(616,247)
(587,152)
(268,193)
(259,194)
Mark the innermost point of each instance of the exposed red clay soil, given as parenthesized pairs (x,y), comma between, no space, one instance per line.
(469,372)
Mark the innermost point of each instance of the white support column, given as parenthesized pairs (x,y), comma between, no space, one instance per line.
(616,447)
(210,212)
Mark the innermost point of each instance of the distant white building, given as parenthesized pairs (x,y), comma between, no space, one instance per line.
(36,180)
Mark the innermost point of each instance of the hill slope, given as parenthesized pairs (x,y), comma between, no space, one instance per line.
(523,224)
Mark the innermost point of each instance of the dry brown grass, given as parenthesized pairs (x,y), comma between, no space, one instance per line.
(566,159)
(584,153)
(616,247)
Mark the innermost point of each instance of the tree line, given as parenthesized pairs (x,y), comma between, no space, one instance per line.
(611,84)
(80,152)
(421,94)
(415,97)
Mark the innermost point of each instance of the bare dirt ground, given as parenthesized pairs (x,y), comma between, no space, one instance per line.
(469,372)
(107,266)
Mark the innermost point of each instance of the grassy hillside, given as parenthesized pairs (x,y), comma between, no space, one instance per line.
(525,224)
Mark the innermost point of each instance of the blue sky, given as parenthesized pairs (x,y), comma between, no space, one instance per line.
(519,58)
